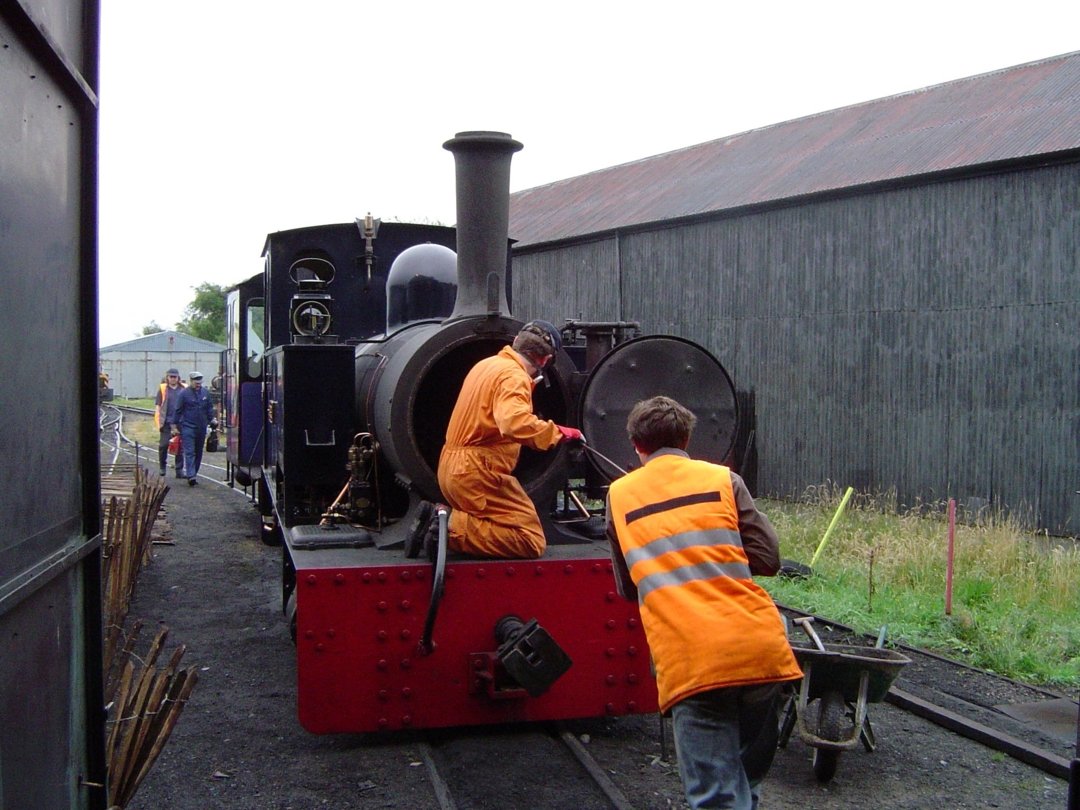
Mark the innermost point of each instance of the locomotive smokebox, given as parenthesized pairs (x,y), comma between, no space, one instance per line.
(482,166)
(407,382)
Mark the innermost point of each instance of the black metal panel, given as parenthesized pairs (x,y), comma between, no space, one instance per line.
(40,223)
(51,727)
(311,406)
(41,761)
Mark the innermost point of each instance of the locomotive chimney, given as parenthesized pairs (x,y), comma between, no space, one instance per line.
(482,165)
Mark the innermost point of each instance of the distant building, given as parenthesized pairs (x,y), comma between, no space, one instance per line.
(894,286)
(136,367)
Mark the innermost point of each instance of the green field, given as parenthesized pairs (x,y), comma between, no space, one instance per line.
(1015,606)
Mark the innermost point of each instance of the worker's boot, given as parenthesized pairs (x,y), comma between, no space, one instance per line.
(414,540)
(431,536)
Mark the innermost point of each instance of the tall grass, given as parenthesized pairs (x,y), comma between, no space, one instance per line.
(1015,598)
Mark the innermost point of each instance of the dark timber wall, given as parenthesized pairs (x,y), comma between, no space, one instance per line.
(52,717)
(920,339)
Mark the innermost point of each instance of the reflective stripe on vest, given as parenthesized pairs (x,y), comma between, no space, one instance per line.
(681,576)
(672,503)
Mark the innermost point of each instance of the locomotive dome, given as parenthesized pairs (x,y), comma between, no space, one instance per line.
(422,285)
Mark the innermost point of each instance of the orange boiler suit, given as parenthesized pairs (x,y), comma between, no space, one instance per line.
(491,514)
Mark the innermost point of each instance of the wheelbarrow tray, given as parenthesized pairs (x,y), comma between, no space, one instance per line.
(840,667)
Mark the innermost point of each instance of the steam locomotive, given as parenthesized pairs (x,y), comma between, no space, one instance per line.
(343,364)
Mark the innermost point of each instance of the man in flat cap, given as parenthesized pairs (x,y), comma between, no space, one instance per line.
(193,416)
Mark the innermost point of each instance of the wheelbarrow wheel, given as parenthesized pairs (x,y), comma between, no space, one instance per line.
(831,710)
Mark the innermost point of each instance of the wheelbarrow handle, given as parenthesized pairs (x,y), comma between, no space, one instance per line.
(881,637)
(806,622)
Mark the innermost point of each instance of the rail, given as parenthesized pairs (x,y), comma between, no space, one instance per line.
(111,424)
(457,773)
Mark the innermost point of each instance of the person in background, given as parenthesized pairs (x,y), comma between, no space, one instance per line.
(493,418)
(165,404)
(686,538)
(194,414)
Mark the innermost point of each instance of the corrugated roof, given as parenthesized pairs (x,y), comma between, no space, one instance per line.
(167,341)
(1016,113)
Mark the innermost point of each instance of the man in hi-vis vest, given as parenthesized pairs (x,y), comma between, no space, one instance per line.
(165,403)
(686,539)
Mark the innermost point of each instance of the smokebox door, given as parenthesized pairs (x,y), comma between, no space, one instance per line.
(652,366)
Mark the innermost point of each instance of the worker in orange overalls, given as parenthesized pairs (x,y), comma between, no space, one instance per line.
(686,538)
(491,514)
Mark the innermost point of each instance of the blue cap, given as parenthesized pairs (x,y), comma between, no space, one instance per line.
(547,331)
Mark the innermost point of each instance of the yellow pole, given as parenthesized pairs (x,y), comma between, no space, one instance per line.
(832,525)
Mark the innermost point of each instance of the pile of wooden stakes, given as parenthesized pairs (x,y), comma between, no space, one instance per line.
(144,710)
(144,701)
(128,527)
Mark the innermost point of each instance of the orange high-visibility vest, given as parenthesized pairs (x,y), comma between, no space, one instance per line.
(161,412)
(709,625)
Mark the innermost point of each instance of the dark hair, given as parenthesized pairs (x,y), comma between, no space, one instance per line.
(537,340)
(660,422)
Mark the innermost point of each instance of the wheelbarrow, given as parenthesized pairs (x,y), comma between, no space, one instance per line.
(843,680)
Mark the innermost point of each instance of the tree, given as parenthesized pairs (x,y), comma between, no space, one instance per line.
(151,328)
(205,315)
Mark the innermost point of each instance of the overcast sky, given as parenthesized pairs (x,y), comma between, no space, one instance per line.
(224,121)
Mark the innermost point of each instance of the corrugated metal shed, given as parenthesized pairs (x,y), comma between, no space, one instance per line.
(1019,113)
(136,367)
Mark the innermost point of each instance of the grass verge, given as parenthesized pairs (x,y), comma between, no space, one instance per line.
(1015,596)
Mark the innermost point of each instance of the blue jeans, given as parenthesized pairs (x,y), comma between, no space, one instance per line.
(725,740)
(191,439)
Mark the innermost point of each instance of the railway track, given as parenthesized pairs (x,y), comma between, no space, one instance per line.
(463,765)
(114,439)
(111,423)
(960,699)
